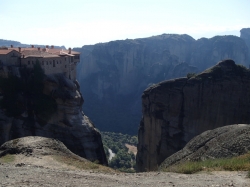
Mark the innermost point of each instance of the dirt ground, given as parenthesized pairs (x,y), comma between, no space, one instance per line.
(38,165)
(34,175)
(131,148)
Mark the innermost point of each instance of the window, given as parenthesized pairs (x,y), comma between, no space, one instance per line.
(57,61)
(47,62)
(65,58)
(50,62)
(54,65)
(65,66)
(28,62)
(42,63)
(32,62)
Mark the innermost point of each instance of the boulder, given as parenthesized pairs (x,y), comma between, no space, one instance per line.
(223,142)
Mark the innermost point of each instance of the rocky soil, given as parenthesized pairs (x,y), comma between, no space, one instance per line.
(33,175)
(35,164)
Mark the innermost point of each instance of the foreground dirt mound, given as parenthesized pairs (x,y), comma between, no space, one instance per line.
(35,145)
(223,142)
(43,152)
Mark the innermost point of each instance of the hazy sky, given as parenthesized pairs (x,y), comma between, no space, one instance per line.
(75,23)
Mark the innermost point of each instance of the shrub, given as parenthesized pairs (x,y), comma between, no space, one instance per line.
(190,75)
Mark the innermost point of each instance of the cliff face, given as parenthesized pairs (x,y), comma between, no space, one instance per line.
(50,108)
(207,52)
(175,111)
(113,75)
(245,35)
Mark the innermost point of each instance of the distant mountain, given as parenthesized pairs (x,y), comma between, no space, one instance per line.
(8,43)
(113,75)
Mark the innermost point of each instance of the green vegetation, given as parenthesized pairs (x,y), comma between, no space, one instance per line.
(240,163)
(26,93)
(123,160)
(190,75)
(7,158)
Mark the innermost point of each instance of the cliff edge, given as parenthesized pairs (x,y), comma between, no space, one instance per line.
(175,111)
(48,106)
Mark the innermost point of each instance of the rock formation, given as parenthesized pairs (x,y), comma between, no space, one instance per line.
(175,111)
(36,146)
(223,142)
(245,35)
(113,75)
(49,106)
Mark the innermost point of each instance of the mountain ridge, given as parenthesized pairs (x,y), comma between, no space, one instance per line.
(116,73)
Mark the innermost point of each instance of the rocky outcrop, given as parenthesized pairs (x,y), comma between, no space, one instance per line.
(36,146)
(56,113)
(113,75)
(177,110)
(224,142)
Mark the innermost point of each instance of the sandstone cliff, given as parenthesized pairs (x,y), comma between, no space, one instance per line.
(48,106)
(175,111)
(213,144)
(113,75)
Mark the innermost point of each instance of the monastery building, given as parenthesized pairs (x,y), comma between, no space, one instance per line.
(51,60)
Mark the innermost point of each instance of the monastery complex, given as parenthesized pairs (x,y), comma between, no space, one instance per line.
(51,60)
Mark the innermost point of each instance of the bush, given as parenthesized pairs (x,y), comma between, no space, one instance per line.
(190,75)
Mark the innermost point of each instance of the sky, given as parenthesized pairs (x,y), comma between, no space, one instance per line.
(74,23)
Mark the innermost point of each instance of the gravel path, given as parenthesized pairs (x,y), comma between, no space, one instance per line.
(28,175)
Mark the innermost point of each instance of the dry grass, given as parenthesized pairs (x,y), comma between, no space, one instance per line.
(7,158)
(84,165)
(240,163)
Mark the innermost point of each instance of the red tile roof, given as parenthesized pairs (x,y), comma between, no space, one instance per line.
(5,51)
